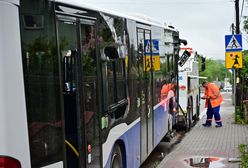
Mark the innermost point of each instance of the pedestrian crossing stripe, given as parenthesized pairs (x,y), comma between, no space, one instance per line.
(233,42)
(234,59)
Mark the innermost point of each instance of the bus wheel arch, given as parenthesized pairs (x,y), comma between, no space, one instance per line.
(118,156)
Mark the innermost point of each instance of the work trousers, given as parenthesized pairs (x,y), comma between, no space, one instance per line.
(213,112)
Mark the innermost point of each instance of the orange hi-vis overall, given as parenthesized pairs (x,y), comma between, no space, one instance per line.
(213,92)
(213,103)
(165,90)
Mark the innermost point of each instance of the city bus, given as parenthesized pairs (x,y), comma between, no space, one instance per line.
(82,86)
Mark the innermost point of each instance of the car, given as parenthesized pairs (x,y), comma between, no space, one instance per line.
(227,88)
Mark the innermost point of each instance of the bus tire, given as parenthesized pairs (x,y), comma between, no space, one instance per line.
(189,113)
(197,109)
(116,158)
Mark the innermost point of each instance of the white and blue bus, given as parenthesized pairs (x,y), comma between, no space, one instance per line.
(81,86)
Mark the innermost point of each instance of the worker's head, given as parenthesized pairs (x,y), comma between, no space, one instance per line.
(204,84)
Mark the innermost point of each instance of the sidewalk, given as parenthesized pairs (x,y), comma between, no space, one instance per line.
(210,147)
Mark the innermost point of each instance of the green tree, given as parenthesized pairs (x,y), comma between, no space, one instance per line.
(215,69)
(244,70)
(243,74)
(245,23)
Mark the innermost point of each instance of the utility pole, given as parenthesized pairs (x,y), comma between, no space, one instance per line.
(233,77)
(237,30)
(233,28)
(236,72)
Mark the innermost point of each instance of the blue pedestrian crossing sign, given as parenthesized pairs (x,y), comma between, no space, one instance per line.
(153,48)
(233,42)
(152,58)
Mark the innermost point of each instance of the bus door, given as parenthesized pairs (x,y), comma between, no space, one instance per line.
(77,48)
(145,91)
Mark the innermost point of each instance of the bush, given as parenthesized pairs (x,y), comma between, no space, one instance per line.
(240,116)
(243,149)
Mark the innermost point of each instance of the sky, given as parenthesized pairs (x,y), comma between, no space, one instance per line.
(203,23)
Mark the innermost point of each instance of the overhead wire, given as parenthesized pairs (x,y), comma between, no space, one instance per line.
(244,36)
(241,14)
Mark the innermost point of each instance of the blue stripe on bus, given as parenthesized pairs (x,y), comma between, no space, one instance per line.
(160,124)
(131,140)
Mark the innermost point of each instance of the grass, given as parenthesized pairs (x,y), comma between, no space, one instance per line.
(243,149)
(241,120)
(240,116)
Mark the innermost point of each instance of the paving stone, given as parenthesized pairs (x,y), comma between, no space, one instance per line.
(210,142)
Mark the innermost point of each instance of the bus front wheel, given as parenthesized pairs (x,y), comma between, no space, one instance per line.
(116,159)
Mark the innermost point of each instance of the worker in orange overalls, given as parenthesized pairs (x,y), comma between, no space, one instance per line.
(164,91)
(213,100)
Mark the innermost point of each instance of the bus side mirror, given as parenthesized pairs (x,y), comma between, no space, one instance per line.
(184,42)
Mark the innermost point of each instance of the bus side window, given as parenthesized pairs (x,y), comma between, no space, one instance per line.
(69,70)
(116,83)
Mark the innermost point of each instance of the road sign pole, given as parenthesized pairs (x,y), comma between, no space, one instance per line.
(234,92)
(236,95)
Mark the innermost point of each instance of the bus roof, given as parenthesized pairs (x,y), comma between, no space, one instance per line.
(16,2)
(80,3)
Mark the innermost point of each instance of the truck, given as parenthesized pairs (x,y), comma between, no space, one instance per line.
(189,86)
